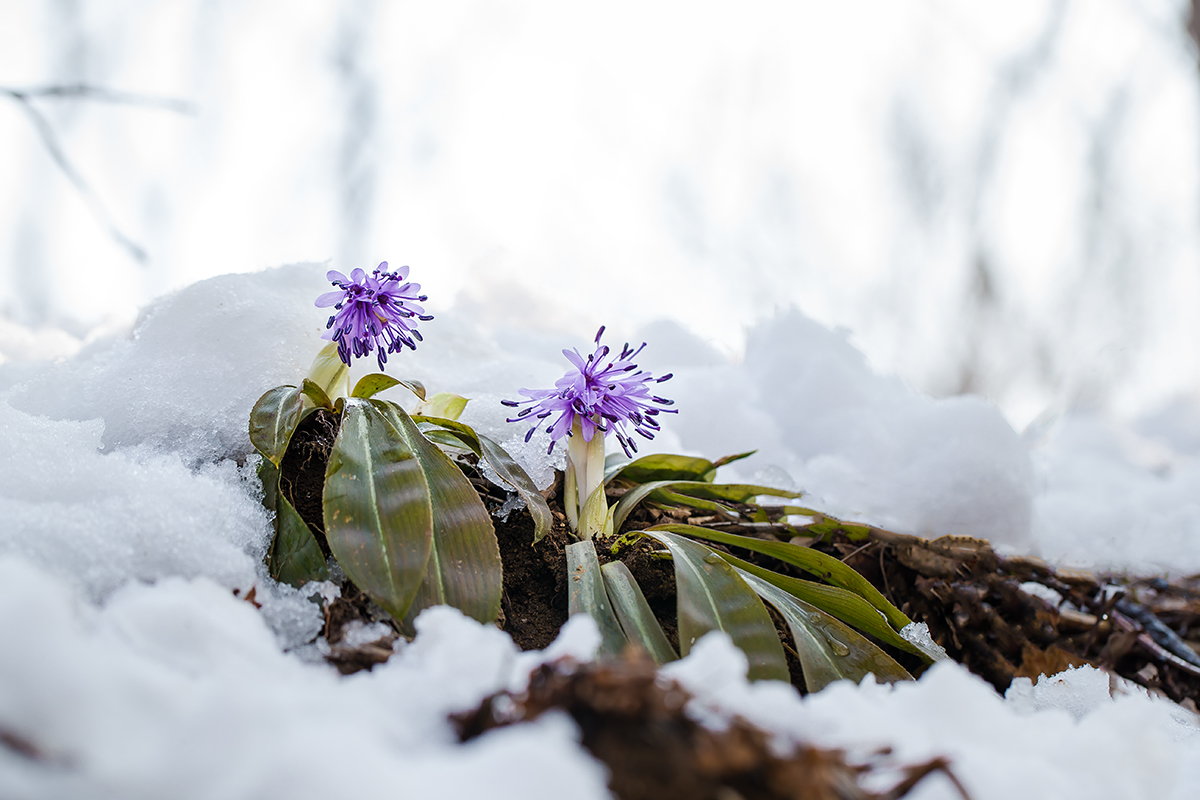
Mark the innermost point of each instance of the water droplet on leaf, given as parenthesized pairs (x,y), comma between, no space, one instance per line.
(836,645)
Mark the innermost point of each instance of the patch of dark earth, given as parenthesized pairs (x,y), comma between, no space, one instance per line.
(1146,630)
(1143,630)
(634,721)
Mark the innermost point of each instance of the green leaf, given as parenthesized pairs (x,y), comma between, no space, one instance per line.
(570,498)
(630,499)
(504,465)
(661,467)
(273,420)
(711,596)
(512,473)
(824,566)
(733,492)
(295,557)
(828,649)
(633,612)
(594,517)
(376,382)
(378,512)
(444,439)
(316,395)
(668,498)
(846,606)
(614,463)
(464,432)
(329,372)
(723,460)
(586,595)
(828,525)
(464,568)
(444,405)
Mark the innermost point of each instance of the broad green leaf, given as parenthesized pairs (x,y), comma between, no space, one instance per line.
(662,467)
(464,567)
(829,650)
(273,420)
(316,395)
(711,596)
(504,465)
(633,612)
(371,385)
(378,511)
(846,606)
(825,567)
(586,595)
(442,404)
(295,557)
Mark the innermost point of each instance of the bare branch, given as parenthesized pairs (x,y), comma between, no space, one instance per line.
(100,94)
(50,140)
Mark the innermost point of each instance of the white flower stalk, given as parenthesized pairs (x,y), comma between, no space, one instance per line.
(597,395)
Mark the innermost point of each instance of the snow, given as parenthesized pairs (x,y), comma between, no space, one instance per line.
(128,522)
(1060,738)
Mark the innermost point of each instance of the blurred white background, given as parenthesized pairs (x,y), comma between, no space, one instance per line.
(997,198)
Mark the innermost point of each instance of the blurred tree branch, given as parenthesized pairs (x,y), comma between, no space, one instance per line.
(51,141)
(1193,21)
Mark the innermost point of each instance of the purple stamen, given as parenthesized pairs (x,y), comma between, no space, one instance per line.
(607,391)
(374,313)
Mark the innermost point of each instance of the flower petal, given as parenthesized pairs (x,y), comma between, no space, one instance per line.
(329,298)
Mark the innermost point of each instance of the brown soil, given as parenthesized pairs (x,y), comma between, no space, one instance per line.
(1146,631)
(302,471)
(535,578)
(354,606)
(634,721)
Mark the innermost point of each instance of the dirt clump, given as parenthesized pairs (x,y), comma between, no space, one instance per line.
(634,721)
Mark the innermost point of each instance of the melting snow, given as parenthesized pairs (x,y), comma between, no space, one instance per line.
(129,516)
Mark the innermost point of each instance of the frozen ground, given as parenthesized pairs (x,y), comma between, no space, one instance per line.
(130,665)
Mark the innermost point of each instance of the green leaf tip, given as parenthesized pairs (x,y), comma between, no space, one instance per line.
(370,385)
(273,420)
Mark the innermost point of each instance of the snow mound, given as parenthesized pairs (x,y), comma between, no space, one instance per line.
(130,512)
(1064,737)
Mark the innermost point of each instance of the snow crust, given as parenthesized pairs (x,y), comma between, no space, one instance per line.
(1064,737)
(130,514)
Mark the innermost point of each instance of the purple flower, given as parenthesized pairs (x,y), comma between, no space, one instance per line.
(374,312)
(600,394)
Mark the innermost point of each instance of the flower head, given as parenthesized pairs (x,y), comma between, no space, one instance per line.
(374,312)
(601,393)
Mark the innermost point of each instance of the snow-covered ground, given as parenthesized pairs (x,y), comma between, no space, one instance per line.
(126,522)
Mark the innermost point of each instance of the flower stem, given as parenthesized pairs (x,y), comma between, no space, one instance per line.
(585,463)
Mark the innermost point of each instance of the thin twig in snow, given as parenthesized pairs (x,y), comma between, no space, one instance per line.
(50,140)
